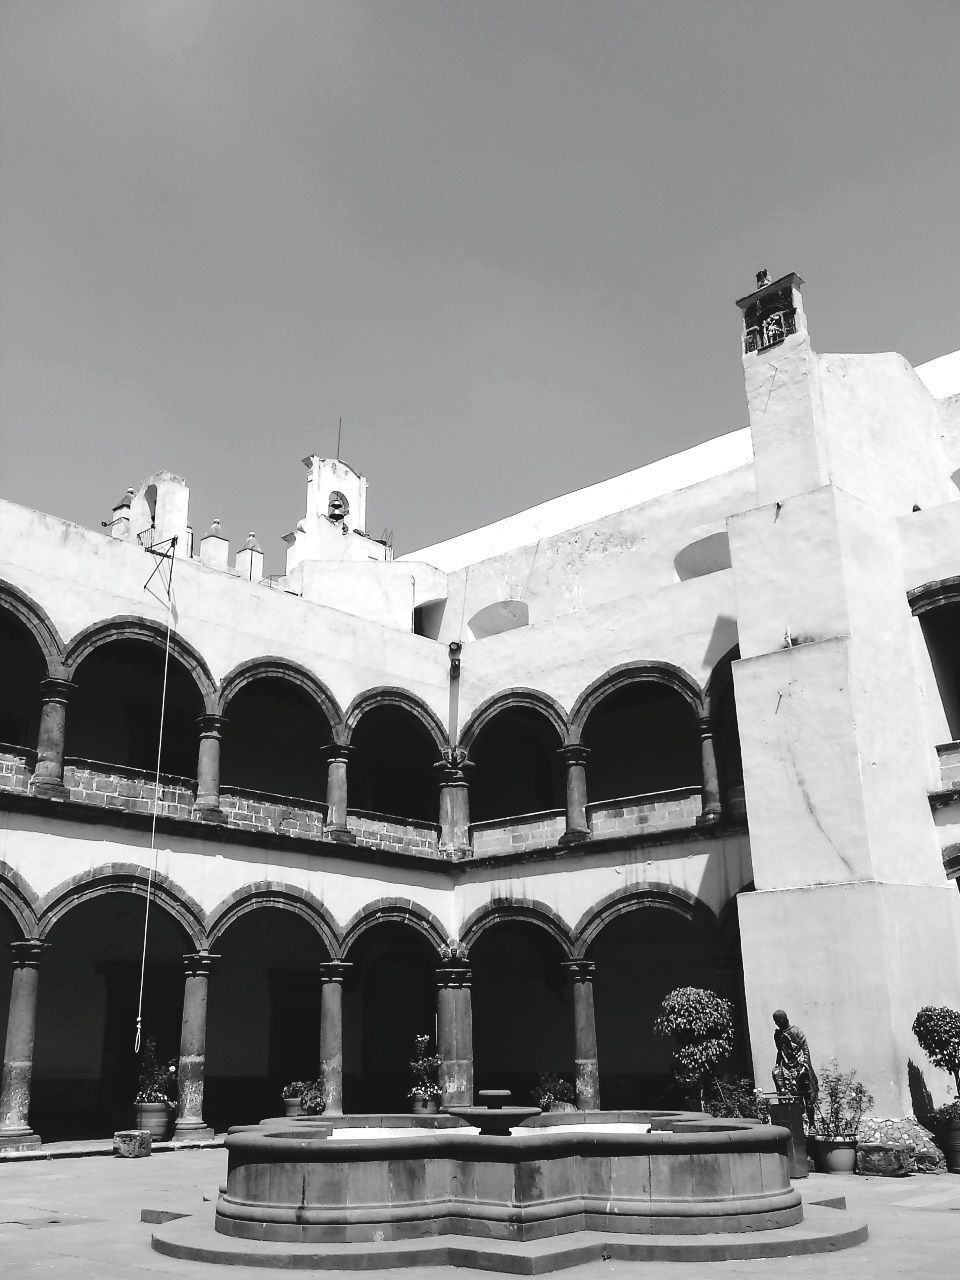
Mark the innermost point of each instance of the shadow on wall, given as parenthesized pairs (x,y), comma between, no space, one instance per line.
(502,616)
(706,555)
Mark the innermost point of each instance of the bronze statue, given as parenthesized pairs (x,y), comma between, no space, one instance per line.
(794,1076)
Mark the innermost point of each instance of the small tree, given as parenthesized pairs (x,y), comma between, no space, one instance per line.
(424,1070)
(938,1032)
(701,1024)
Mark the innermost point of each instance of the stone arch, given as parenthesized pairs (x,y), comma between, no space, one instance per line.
(37,622)
(653,893)
(665,673)
(284,669)
(931,595)
(133,627)
(17,898)
(390,696)
(285,897)
(516,911)
(528,699)
(123,878)
(395,911)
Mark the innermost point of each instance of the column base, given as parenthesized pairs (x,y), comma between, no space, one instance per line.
(19,1139)
(49,789)
(204,814)
(455,852)
(340,835)
(193,1131)
(575,837)
(709,818)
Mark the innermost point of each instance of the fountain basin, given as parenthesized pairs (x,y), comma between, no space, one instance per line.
(695,1176)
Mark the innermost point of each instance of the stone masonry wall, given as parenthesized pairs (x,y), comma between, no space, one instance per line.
(16,767)
(116,787)
(263,811)
(508,835)
(659,811)
(949,755)
(378,832)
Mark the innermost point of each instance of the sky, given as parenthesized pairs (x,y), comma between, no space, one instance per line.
(501,238)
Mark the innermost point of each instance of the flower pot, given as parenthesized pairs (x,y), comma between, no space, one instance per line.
(154,1117)
(951,1145)
(425,1106)
(291,1106)
(833,1155)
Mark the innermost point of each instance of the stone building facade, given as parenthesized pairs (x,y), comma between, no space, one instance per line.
(696,725)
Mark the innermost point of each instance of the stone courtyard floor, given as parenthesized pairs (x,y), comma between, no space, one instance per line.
(80,1218)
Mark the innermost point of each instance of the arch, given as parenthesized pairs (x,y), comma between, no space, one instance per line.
(37,622)
(508,699)
(516,911)
(133,627)
(395,911)
(652,894)
(665,673)
(931,595)
(122,877)
(16,896)
(285,897)
(706,555)
(390,696)
(274,668)
(502,615)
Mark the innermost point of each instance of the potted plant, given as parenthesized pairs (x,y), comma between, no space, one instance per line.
(554,1093)
(291,1095)
(424,1093)
(155,1099)
(701,1025)
(938,1032)
(312,1101)
(840,1107)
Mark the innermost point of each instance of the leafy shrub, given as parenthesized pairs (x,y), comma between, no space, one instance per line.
(552,1088)
(157,1081)
(938,1032)
(842,1102)
(295,1088)
(424,1069)
(736,1097)
(701,1024)
(311,1099)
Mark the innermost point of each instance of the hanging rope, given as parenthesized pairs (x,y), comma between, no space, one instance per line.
(156,788)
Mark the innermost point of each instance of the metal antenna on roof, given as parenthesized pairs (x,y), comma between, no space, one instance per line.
(339,433)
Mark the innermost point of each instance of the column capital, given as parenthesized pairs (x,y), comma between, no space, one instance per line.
(334,752)
(334,970)
(573,753)
(27,954)
(210,724)
(454,973)
(580,970)
(56,689)
(199,964)
(706,726)
(453,772)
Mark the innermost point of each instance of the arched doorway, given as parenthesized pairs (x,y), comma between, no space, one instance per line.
(389,999)
(22,668)
(114,714)
(391,767)
(641,956)
(517,768)
(273,740)
(522,1008)
(263,1018)
(642,737)
(85,1065)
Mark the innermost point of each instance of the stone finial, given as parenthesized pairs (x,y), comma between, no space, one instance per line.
(214,547)
(251,543)
(249,561)
(214,531)
(124,503)
(763,278)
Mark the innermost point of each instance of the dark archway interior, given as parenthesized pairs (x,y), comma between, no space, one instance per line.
(642,738)
(389,998)
(517,769)
(273,741)
(391,768)
(726,742)
(641,956)
(22,668)
(85,1067)
(941,630)
(9,932)
(114,713)
(263,1019)
(522,1009)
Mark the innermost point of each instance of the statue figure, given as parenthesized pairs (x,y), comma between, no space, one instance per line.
(794,1075)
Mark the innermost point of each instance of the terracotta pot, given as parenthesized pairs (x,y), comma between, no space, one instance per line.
(291,1106)
(833,1155)
(951,1145)
(154,1117)
(425,1106)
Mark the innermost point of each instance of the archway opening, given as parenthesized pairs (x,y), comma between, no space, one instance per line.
(522,1009)
(263,1020)
(9,932)
(114,714)
(85,1067)
(941,631)
(273,740)
(517,769)
(391,769)
(22,668)
(641,956)
(389,999)
(726,745)
(642,738)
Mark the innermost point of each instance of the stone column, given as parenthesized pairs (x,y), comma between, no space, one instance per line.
(193,1047)
(580,973)
(710,809)
(336,827)
(15,1131)
(48,774)
(208,763)
(332,974)
(575,759)
(454,805)
(455,1034)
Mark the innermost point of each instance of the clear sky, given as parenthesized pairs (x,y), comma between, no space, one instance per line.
(502,238)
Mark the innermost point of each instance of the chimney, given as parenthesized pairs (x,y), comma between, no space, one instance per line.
(214,547)
(249,561)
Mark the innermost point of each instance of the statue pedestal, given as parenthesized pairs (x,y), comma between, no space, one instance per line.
(789,1114)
